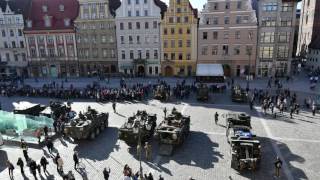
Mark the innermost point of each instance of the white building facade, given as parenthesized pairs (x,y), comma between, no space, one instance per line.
(13,58)
(138,37)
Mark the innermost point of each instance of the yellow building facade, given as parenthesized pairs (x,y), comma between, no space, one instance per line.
(179,39)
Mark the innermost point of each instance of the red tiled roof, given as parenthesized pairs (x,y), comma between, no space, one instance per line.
(36,14)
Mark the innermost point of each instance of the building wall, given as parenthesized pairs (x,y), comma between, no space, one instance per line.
(275,37)
(179,39)
(13,56)
(228,35)
(96,38)
(141,54)
(313,60)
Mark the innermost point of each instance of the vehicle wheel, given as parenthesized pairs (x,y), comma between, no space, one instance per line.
(97,131)
(92,135)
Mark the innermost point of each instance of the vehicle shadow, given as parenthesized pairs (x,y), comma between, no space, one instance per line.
(103,145)
(3,160)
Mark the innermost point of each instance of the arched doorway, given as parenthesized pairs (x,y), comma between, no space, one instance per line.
(141,71)
(168,71)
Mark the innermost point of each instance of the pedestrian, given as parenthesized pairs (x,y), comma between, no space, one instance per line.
(44,162)
(20,163)
(148,150)
(38,135)
(138,149)
(75,159)
(150,176)
(10,168)
(313,109)
(56,160)
(60,165)
(160,177)
(39,169)
(291,111)
(216,117)
(114,107)
(46,130)
(106,173)
(165,112)
(33,168)
(278,165)
(49,145)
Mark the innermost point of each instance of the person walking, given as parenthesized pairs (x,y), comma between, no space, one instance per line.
(24,148)
(165,112)
(60,165)
(33,168)
(160,177)
(313,109)
(278,165)
(44,162)
(148,150)
(46,130)
(291,111)
(75,159)
(114,107)
(216,117)
(39,169)
(106,173)
(20,163)
(38,135)
(49,145)
(10,169)
(138,149)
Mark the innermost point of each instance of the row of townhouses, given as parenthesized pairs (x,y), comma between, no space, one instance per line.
(70,38)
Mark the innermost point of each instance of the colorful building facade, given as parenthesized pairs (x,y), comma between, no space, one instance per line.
(179,39)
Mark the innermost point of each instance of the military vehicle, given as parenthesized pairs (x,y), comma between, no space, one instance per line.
(238,94)
(140,123)
(245,154)
(237,119)
(28,108)
(87,125)
(172,132)
(202,92)
(161,93)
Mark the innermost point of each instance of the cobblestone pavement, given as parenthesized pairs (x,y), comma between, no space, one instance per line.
(204,156)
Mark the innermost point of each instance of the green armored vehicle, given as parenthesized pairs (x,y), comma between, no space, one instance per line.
(202,92)
(245,154)
(87,125)
(240,119)
(161,93)
(129,131)
(172,132)
(239,95)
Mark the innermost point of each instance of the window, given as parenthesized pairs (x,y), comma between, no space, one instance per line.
(283,52)
(67,22)
(286,22)
(47,21)
(33,52)
(227,5)
(225,49)
(137,13)
(188,43)
(49,40)
(146,1)
(173,43)
(178,20)
(180,44)
(286,7)
(11,33)
(268,21)
(129,14)
(186,19)
(214,50)
(131,54)
(284,37)
(156,69)
(19,32)
(266,52)
(123,54)
(145,12)
(24,56)
(170,19)
(130,40)
(8,56)
(165,31)
(188,31)
(40,40)
(138,25)
(215,35)
(238,19)
(60,51)
(139,54)
(237,35)
(172,30)
(155,54)
(269,7)
(103,39)
(137,2)
(178,1)
(121,26)
(29,23)
(122,39)
(129,25)
(226,35)
(44,8)
(215,6)
(226,20)
(61,7)
(51,52)
(150,70)
(180,31)
(180,56)
(215,20)
(173,56)
(138,40)
(146,25)
(147,54)
(13,44)
(42,52)
(204,50)
(3,33)
(155,24)
(188,56)
(239,5)
(178,10)
(245,19)
(15,57)
(205,35)
(21,44)
(267,37)
(165,56)
(236,50)
(129,2)
(165,43)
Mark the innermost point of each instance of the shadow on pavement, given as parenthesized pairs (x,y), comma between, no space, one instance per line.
(3,160)
(99,148)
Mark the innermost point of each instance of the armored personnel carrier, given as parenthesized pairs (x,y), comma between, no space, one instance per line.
(87,125)
(237,119)
(161,93)
(172,132)
(202,92)
(239,95)
(129,131)
(245,154)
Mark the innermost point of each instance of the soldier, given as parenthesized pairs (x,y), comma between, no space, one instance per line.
(313,109)
(278,165)
(10,168)
(148,150)
(216,116)
(75,159)
(291,111)
(44,162)
(106,173)
(21,164)
(138,149)
(165,112)
(114,107)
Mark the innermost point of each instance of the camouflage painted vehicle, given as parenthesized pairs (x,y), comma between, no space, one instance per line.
(172,132)
(239,95)
(237,119)
(245,154)
(129,131)
(161,93)
(203,93)
(87,125)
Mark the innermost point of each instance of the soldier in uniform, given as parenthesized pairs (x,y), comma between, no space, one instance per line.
(278,165)
(148,150)
(138,149)
(165,112)
(216,116)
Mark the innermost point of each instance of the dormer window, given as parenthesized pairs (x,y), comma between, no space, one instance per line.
(67,22)
(61,7)
(47,21)
(44,8)
(29,23)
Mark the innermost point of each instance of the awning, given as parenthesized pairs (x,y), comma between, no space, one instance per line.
(209,70)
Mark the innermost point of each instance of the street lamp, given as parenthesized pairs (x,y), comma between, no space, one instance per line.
(138,125)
